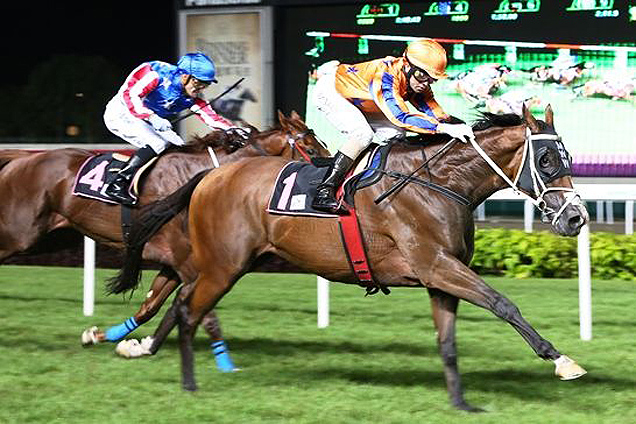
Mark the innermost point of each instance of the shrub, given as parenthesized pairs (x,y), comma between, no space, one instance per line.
(515,253)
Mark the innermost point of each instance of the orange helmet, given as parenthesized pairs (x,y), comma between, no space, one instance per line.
(428,55)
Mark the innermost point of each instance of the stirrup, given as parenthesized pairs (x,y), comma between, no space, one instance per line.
(121,195)
(333,207)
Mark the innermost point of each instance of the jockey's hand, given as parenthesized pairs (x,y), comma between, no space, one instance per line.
(159,123)
(462,132)
(238,131)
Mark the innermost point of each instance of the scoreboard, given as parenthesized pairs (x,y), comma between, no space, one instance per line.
(597,35)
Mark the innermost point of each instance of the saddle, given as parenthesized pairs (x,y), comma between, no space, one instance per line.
(100,170)
(296,184)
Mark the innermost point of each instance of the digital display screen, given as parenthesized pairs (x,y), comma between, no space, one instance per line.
(577,55)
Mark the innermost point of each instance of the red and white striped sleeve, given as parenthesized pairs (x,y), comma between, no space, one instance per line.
(212,119)
(139,83)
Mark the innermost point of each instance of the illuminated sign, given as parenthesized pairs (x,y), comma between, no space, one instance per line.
(590,5)
(370,12)
(456,9)
(601,8)
(386,10)
(526,6)
(509,10)
(632,13)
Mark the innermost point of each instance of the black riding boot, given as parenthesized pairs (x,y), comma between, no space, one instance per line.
(325,199)
(119,188)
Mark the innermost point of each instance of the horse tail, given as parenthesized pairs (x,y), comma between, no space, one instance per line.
(150,219)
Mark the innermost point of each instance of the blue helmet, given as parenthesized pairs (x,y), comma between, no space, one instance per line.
(199,66)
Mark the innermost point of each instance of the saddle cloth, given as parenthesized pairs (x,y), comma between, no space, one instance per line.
(296,184)
(98,171)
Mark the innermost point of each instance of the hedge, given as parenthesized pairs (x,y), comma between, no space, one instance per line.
(515,253)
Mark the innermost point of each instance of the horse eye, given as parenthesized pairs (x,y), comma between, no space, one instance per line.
(547,159)
(311,152)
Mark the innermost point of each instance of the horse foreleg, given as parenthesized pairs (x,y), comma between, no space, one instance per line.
(456,279)
(444,308)
(204,296)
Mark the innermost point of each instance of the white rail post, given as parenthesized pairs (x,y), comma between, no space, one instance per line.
(323,302)
(480,212)
(528,215)
(609,212)
(600,205)
(585,284)
(629,217)
(89,276)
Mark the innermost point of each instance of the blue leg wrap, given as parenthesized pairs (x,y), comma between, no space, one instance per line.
(118,332)
(222,355)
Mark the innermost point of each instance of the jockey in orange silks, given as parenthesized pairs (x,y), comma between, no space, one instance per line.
(367,102)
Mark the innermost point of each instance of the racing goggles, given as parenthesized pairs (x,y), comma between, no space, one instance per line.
(198,84)
(422,76)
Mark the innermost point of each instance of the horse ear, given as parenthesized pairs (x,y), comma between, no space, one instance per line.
(282,119)
(295,116)
(530,120)
(549,116)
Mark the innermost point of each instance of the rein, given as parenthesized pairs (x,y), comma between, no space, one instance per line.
(405,179)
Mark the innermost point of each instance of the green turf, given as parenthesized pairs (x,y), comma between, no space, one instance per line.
(376,363)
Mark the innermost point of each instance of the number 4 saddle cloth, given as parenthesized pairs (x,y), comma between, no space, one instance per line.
(98,171)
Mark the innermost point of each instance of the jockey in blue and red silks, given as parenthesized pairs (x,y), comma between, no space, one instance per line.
(153,92)
(367,102)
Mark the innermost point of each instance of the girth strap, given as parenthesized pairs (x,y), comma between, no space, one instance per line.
(356,252)
(126,221)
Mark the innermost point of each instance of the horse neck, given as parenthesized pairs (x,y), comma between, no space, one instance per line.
(465,172)
(273,143)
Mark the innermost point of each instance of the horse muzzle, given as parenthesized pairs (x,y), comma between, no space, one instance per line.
(570,222)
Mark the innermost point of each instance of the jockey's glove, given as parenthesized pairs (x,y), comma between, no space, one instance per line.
(159,123)
(241,132)
(462,132)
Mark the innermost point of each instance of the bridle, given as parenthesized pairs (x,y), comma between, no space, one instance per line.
(538,183)
(292,140)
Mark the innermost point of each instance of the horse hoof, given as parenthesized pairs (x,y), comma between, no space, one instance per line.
(190,387)
(89,336)
(463,406)
(567,369)
(132,348)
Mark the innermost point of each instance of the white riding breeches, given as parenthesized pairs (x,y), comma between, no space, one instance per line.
(136,131)
(347,118)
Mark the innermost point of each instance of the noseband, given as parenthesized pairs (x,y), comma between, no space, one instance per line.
(528,170)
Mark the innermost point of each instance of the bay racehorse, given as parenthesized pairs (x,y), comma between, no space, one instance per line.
(36,192)
(416,237)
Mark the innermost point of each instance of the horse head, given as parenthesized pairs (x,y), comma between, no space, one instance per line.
(295,140)
(531,159)
(517,152)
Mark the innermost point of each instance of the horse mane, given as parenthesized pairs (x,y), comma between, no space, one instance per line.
(488,120)
(213,139)
(484,121)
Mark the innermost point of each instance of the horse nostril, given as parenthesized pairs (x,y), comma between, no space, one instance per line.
(575,221)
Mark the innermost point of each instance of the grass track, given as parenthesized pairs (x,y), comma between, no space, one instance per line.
(377,362)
